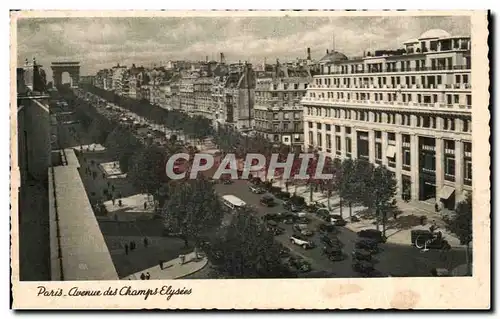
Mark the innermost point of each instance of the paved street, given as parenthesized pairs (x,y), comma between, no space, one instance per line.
(394,260)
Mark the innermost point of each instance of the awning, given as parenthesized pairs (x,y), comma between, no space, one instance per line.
(390,151)
(446,192)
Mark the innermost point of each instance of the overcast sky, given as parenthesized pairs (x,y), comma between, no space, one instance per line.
(102,42)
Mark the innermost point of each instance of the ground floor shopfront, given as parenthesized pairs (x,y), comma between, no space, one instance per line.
(427,168)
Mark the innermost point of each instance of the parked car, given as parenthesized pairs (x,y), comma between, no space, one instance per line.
(324,214)
(282,195)
(337,220)
(303,219)
(273,216)
(303,229)
(256,181)
(361,254)
(363,267)
(333,253)
(327,228)
(227,181)
(268,201)
(291,206)
(314,207)
(331,241)
(255,189)
(302,241)
(274,228)
(367,244)
(299,264)
(373,234)
(289,218)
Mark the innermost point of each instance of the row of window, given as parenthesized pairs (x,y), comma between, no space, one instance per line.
(279,95)
(297,127)
(422,121)
(424,80)
(276,116)
(284,86)
(427,159)
(397,97)
(400,66)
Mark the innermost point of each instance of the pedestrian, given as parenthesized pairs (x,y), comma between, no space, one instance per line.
(108,184)
(182,258)
(395,214)
(119,203)
(145,205)
(148,276)
(143,276)
(436,207)
(113,201)
(113,188)
(146,242)
(433,227)
(126,249)
(160,263)
(103,175)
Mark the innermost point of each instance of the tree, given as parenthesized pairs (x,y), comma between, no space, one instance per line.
(122,144)
(379,193)
(147,169)
(460,224)
(245,249)
(342,181)
(193,208)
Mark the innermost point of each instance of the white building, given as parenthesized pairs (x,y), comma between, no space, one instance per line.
(408,109)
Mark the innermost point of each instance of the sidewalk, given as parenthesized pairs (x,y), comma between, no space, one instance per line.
(173,269)
(398,231)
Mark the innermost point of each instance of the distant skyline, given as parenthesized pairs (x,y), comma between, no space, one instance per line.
(99,43)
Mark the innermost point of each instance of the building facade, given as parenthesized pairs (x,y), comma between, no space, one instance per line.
(278,112)
(407,109)
(203,102)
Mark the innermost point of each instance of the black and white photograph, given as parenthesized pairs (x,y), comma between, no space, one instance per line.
(190,149)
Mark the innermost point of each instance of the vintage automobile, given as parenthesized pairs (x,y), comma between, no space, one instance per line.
(303,229)
(267,200)
(274,228)
(337,220)
(327,228)
(256,189)
(302,241)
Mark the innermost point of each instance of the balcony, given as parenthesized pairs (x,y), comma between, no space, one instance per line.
(396,70)
(449,177)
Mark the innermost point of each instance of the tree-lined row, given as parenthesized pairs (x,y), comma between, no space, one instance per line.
(195,127)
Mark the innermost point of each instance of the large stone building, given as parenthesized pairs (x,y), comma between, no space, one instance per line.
(407,109)
(203,102)
(117,78)
(239,96)
(278,113)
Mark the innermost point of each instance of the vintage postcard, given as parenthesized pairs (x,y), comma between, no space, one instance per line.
(250,160)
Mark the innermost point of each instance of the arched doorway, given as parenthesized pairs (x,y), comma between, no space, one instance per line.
(71,68)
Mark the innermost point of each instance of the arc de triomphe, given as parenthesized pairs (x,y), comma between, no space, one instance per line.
(73,68)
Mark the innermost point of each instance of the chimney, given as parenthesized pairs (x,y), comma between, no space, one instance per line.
(309,53)
(221,57)
(327,51)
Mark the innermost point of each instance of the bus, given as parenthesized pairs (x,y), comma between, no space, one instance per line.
(233,202)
